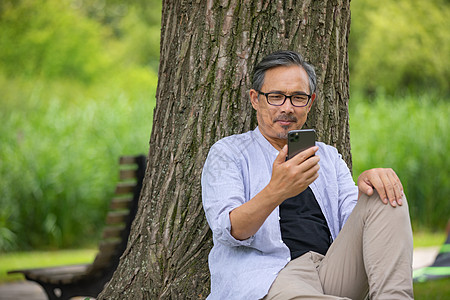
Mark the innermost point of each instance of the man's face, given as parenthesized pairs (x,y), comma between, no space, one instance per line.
(276,121)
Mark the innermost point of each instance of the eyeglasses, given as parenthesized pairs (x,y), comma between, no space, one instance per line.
(278,99)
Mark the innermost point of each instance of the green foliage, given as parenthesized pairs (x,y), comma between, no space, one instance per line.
(140,39)
(410,135)
(400,46)
(81,40)
(77,92)
(47,38)
(59,156)
(136,26)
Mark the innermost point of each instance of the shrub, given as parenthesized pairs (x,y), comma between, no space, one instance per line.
(410,135)
(59,156)
(47,38)
(400,46)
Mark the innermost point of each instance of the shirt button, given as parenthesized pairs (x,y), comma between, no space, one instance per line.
(281,241)
(288,259)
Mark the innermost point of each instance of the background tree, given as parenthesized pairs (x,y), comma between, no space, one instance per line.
(207,56)
(400,47)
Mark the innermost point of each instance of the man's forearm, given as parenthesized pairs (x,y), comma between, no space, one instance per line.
(289,178)
(249,217)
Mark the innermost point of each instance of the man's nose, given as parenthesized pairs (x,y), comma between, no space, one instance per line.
(287,106)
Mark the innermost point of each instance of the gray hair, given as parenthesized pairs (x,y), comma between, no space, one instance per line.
(283,58)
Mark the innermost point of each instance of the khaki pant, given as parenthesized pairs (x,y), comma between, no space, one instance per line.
(373,252)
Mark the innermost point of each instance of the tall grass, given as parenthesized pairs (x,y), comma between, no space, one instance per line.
(410,135)
(59,156)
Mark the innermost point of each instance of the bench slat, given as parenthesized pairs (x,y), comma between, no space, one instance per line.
(116,217)
(127,174)
(108,247)
(101,262)
(62,279)
(57,278)
(125,188)
(54,275)
(120,203)
(127,160)
(112,232)
(53,270)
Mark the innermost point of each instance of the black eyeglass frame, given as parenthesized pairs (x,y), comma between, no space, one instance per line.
(285,97)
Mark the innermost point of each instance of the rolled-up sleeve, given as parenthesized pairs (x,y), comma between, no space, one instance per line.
(223,189)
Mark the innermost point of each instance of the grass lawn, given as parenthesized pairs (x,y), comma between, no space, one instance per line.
(429,239)
(37,259)
(439,289)
(436,290)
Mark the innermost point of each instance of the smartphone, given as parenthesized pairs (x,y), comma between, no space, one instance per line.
(299,140)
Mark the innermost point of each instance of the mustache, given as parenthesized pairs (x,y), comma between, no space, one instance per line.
(286,117)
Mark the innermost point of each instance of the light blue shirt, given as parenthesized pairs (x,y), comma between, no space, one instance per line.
(237,168)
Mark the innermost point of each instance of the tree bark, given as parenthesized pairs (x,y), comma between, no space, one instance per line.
(208,50)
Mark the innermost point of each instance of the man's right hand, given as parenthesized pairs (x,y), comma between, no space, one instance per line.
(290,178)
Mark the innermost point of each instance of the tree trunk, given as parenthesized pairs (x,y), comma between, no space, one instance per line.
(208,51)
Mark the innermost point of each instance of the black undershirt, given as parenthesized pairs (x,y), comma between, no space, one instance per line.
(303,225)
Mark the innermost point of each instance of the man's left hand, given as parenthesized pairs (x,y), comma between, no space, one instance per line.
(385,182)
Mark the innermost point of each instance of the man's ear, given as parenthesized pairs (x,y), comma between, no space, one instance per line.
(313,97)
(254,98)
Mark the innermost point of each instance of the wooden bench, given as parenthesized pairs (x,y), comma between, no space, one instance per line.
(89,279)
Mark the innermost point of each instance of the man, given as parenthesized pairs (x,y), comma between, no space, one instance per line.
(278,226)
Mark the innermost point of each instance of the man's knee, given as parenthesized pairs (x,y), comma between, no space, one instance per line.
(374,206)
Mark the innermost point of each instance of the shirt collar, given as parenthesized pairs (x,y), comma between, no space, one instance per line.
(264,142)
